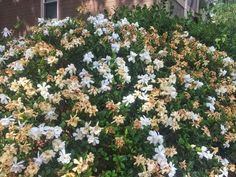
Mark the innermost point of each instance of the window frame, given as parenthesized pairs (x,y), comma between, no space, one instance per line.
(43,3)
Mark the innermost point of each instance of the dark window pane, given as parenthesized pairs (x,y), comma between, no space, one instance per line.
(49,1)
(51,10)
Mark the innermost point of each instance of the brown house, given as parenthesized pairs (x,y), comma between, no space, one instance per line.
(27,12)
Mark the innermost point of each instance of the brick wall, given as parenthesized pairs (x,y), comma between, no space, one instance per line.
(12,11)
(68,7)
(28,11)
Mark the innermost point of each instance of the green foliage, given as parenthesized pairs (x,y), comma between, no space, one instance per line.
(112,98)
(218,32)
(155,16)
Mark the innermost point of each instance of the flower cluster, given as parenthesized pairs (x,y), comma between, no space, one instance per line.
(105,98)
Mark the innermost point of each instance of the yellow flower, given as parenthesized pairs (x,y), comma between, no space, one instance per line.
(118,119)
(139,160)
(170,152)
(119,141)
(73,121)
(52,60)
(31,170)
(81,165)
(183,165)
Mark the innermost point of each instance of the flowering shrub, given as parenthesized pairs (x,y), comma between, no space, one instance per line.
(111,99)
(218,28)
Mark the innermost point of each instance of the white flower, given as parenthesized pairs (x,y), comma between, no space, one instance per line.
(158,64)
(185,34)
(57,131)
(170,90)
(41,20)
(6,32)
(211,103)
(45,32)
(88,57)
(105,86)
(143,95)
(17,167)
(198,84)
(2,59)
(226,144)
(96,65)
(122,22)
(160,152)
(35,133)
(188,80)
(95,130)
(99,32)
(172,170)
(222,90)
(144,174)
(146,89)
(83,73)
(211,99)
(162,53)
(151,166)
(51,132)
(2,48)
(43,89)
(38,160)
(64,158)
(205,153)
(86,128)
(6,121)
(51,115)
(233,74)
(155,138)
(224,172)
(222,72)
(193,116)
(115,36)
(128,99)
(108,77)
(144,79)
(86,78)
(107,59)
(223,129)
(78,134)
(211,49)
(228,61)
(47,155)
(98,20)
(29,54)
(20,125)
(145,56)
(224,162)
(58,144)
(160,157)
(115,47)
(4,99)
(71,69)
(131,56)
(48,132)
(16,66)
(93,139)
(172,78)
(145,121)
(86,82)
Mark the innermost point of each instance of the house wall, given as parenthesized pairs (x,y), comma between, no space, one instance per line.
(68,7)
(28,11)
(13,11)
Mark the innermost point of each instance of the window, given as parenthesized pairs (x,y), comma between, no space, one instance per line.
(49,9)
